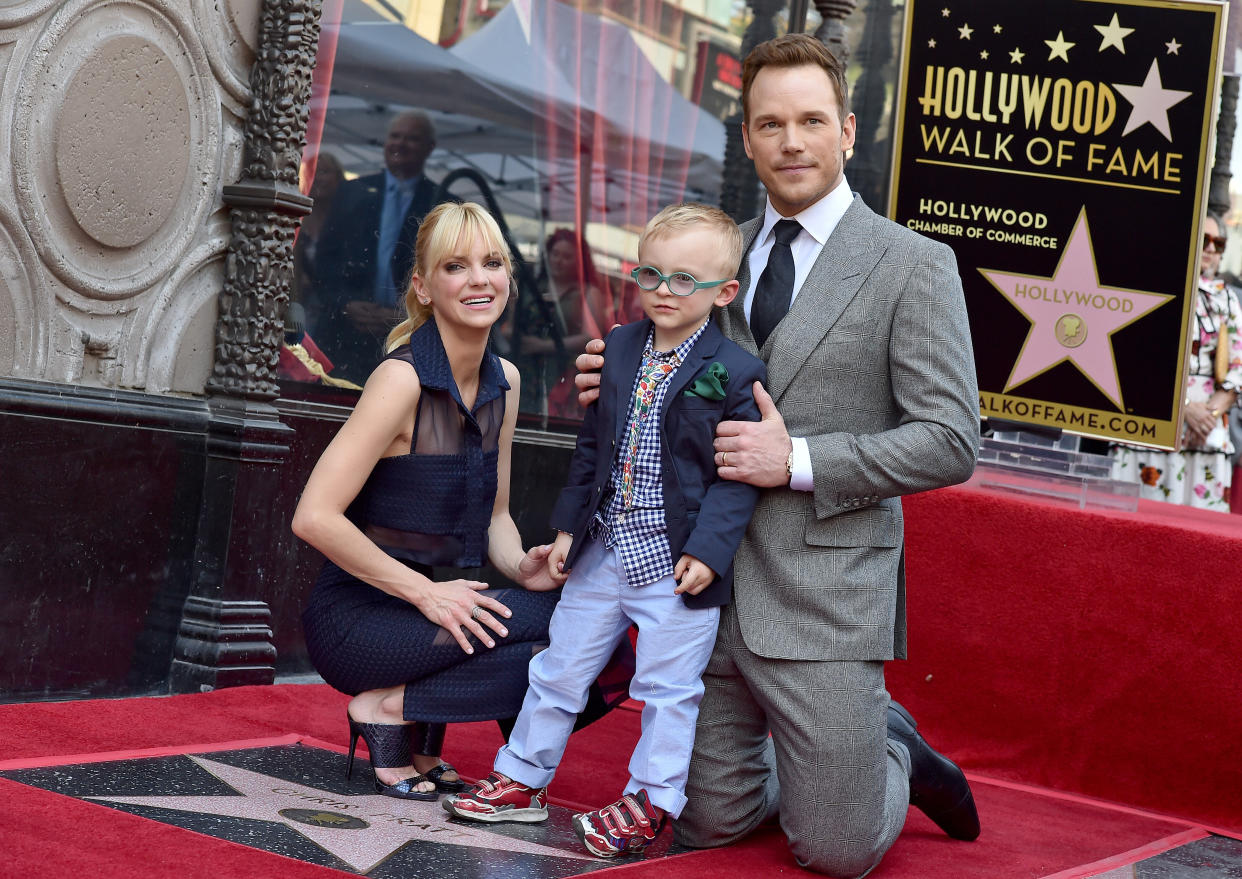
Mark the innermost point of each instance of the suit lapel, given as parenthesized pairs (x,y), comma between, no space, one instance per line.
(844,262)
(371,203)
(420,206)
(732,318)
(622,380)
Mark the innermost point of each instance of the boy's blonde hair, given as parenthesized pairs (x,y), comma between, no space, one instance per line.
(440,235)
(682,217)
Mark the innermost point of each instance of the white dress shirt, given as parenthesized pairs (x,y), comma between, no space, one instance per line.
(818,222)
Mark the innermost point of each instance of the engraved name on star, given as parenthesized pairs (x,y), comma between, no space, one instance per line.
(361,830)
(1075,303)
(1059,48)
(1150,102)
(1113,34)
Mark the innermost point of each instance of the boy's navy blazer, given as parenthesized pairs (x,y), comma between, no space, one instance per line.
(706,516)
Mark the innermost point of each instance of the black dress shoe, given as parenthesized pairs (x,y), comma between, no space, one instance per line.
(937,785)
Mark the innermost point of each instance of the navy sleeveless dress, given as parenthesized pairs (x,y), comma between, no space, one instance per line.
(433,507)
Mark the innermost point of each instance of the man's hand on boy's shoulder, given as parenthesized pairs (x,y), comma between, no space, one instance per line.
(755,452)
(589,365)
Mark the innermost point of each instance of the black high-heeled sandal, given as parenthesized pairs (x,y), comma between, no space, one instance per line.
(389,744)
(428,738)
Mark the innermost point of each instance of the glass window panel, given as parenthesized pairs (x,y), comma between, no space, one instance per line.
(573,122)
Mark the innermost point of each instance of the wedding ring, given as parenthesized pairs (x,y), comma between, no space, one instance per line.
(474,614)
(724,459)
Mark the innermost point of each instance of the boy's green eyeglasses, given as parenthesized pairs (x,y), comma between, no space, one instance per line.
(679,283)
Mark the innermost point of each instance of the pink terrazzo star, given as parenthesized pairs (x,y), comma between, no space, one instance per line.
(1072,315)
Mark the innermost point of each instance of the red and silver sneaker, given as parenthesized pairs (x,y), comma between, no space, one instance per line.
(626,827)
(499,798)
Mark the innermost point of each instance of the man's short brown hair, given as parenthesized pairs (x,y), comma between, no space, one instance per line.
(794,50)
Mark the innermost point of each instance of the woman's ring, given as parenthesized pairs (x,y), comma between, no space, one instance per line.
(724,459)
(474,614)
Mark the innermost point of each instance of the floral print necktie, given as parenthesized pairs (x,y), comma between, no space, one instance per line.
(655,368)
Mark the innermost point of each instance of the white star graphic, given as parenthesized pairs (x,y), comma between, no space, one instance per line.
(1016,56)
(984,55)
(1073,316)
(1173,45)
(1113,34)
(1060,48)
(931,44)
(944,13)
(360,830)
(1151,102)
(965,31)
(996,28)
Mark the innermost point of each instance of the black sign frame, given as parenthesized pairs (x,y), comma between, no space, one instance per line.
(1063,149)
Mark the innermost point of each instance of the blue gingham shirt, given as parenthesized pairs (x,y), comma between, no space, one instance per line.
(640,534)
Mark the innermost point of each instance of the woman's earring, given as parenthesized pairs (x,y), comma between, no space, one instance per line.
(424,301)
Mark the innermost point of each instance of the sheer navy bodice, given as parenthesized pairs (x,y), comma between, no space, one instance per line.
(433,506)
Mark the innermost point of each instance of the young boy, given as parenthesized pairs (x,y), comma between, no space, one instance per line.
(647,536)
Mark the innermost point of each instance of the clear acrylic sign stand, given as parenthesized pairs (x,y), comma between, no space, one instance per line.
(1048,464)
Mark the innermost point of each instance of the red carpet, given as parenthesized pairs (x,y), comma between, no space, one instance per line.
(1084,651)
(1027,832)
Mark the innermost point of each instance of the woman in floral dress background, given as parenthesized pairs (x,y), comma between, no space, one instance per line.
(1200,474)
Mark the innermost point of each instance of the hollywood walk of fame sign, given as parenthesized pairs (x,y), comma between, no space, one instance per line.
(295,801)
(1062,149)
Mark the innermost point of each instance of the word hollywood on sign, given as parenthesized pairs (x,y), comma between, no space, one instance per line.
(1061,149)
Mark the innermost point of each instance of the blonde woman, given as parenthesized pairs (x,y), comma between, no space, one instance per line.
(419,477)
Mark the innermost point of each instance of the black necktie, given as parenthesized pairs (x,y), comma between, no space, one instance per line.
(774,291)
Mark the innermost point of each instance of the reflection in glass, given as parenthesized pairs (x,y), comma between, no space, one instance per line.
(578,121)
(306,303)
(571,304)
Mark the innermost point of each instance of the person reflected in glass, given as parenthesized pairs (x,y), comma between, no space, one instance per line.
(418,477)
(308,292)
(573,305)
(1201,474)
(367,249)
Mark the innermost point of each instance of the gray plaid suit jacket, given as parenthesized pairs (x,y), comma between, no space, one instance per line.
(873,365)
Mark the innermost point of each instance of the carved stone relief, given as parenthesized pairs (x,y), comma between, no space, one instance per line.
(15,12)
(23,323)
(174,349)
(230,33)
(122,125)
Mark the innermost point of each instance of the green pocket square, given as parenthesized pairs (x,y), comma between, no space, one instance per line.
(710,385)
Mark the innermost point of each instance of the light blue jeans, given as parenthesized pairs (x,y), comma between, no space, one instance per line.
(594,614)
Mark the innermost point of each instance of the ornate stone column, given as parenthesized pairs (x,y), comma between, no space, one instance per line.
(1219,201)
(868,169)
(739,190)
(832,31)
(224,636)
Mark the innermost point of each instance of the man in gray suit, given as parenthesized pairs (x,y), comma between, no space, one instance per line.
(872,396)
